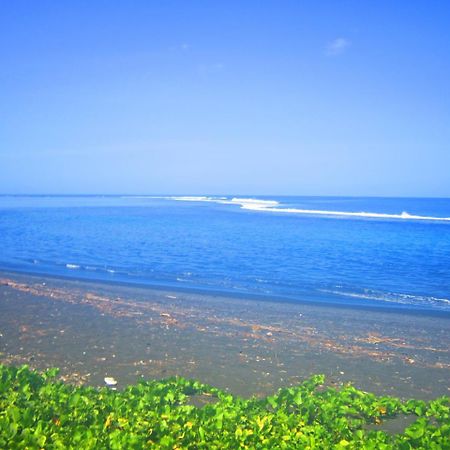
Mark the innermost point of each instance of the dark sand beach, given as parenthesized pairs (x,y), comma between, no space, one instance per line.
(91,330)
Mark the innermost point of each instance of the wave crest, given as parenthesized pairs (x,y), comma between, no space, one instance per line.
(318,212)
(390,297)
(255,204)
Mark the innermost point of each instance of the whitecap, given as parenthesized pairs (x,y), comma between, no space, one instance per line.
(260,205)
(250,203)
(318,212)
(404,299)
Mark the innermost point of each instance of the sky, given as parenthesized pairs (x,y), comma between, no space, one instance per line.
(209,97)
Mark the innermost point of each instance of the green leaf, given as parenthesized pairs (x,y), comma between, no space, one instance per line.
(416,430)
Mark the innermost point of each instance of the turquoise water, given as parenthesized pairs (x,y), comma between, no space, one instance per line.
(392,253)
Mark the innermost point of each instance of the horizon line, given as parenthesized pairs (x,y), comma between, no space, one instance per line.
(221,194)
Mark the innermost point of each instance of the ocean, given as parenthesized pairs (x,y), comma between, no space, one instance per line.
(374,252)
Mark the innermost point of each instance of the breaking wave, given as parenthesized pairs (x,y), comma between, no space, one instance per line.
(404,299)
(317,212)
(260,205)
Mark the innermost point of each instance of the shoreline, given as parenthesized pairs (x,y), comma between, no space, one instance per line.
(93,329)
(371,305)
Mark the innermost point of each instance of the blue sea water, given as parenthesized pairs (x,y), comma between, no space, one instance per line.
(389,252)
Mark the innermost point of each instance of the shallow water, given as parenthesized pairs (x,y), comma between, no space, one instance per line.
(262,247)
(92,330)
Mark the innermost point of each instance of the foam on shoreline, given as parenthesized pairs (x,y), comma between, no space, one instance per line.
(245,346)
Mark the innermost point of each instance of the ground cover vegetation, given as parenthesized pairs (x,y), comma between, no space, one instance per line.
(37,411)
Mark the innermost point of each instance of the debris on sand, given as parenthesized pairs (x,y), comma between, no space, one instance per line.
(110,381)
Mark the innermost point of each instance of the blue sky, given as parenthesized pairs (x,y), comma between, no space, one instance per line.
(282,97)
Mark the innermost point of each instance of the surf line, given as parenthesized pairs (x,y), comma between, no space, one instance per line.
(254,204)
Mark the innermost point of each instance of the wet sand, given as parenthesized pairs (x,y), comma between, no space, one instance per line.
(92,330)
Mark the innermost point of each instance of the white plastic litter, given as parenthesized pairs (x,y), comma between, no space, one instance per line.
(110,381)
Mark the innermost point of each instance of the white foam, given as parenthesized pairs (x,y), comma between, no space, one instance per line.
(255,204)
(72,266)
(245,203)
(406,299)
(319,212)
(248,203)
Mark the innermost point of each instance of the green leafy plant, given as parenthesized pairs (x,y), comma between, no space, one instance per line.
(37,411)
